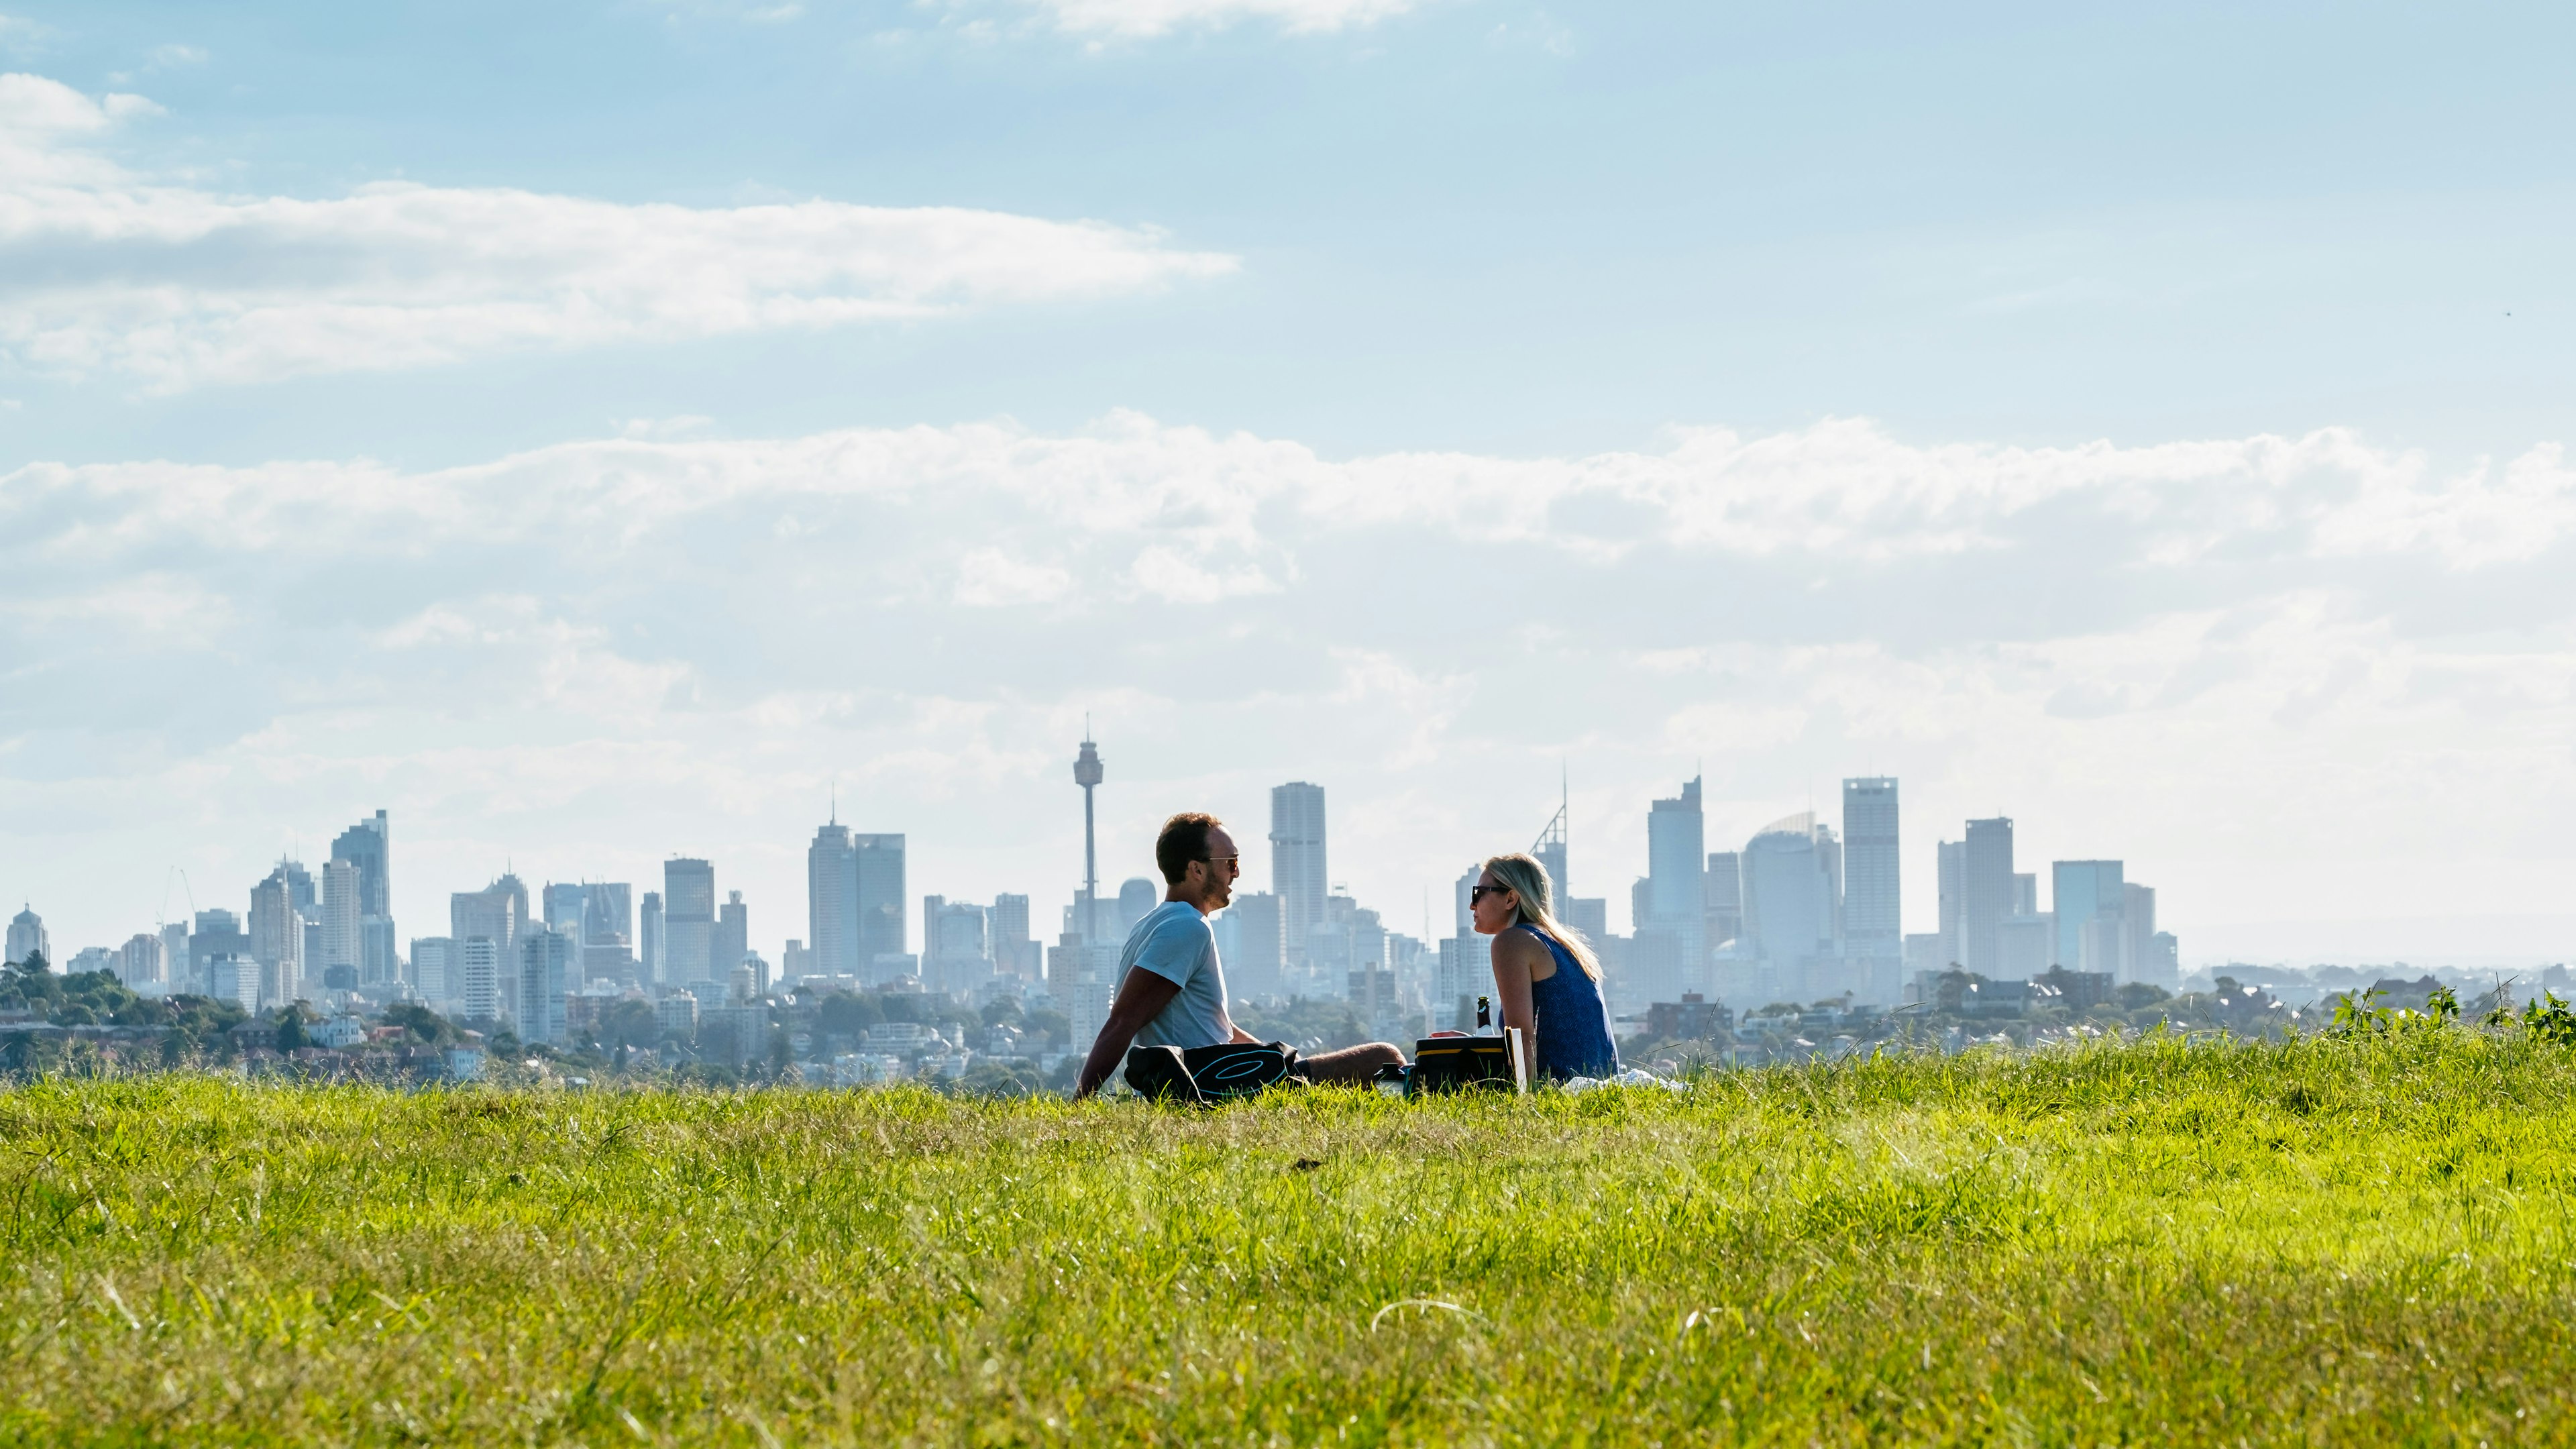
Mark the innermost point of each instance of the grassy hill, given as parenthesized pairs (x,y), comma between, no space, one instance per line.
(2333,1240)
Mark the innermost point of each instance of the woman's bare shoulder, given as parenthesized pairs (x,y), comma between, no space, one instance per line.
(1519,948)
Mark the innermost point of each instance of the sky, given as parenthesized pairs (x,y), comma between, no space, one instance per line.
(616,429)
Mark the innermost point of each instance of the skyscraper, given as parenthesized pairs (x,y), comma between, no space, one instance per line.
(882,913)
(343,943)
(1792,891)
(1873,915)
(218,933)
(609,911)
(1952,874)
(954,944)
(1550,851)
(1986,892)
(648,940)
(832,902)
(479,987)
(1136,900)
(1254,969)
(1297,873)
(2078,891)
(277,936)
(1014,953)
(565,907)
(733,935)
(27,937)
(545,969)
(142,965)
(496,913)
(435,973)
(368,845)
(1675,896)
(689,920)
(1723,884)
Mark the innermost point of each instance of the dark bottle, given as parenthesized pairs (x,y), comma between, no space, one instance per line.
(1484,1014)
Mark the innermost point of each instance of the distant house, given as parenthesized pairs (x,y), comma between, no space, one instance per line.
(1693,1018)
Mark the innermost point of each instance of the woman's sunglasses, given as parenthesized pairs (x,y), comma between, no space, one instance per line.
(1478,893)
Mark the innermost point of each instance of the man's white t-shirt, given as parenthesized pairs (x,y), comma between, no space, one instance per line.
(1175,942)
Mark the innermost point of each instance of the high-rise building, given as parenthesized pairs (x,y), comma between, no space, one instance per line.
(368,845)
(566,907)
(1986,892)
(142,965)
(174,958)
(1137,898)
(481,992)
(1297,864)
(277,936)
(1792,905)
(28,937)
(656,964)
(1550,854)
(2078,891)
(1590,915)
(1014,953)
(733,934)
(689,922)
(884,954)
(1676,897)
(608,911)
(1873,908)
(954,952)
(434,972)
(2025,893)
(497,913)
(343,944)
(218,933)
(1723,884)
(1953,874)
(545,969)
(832,902)
(1255,970)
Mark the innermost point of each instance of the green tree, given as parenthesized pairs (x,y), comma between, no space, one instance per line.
(424,1025)
(290,1030)
(1050,1025)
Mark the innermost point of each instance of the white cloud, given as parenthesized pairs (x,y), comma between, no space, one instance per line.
(1148,18)
(103,271)
(2215,659)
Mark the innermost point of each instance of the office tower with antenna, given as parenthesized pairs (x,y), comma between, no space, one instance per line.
(1550,851)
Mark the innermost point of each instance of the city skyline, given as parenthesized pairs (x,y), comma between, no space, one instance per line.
(1735,924)
(1414,399)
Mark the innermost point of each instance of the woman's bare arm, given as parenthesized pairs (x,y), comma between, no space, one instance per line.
(1515,956)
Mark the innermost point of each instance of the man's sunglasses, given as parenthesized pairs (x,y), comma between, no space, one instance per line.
(1233,860)
(1478,893)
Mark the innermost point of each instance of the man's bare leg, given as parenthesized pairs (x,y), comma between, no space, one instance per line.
(1350,1064)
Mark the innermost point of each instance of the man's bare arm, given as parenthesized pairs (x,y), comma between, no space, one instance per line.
(1141,998)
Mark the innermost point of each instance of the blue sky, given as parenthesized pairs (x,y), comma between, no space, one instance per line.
(2140,421)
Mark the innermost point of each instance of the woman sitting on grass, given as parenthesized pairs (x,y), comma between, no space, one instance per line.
(1546,976)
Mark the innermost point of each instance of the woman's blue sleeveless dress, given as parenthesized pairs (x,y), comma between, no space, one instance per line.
(1573,1025)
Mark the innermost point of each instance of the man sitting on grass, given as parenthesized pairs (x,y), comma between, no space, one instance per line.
(1171,988)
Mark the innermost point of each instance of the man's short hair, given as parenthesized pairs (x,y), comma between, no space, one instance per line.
(1184,839)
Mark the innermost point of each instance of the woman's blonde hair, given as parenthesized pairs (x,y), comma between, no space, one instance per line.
(1527,879)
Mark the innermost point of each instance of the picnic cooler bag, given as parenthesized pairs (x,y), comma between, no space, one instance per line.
(1455,1063)
(1210,1073)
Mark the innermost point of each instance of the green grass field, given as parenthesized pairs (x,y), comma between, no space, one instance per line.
(2330,1241)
